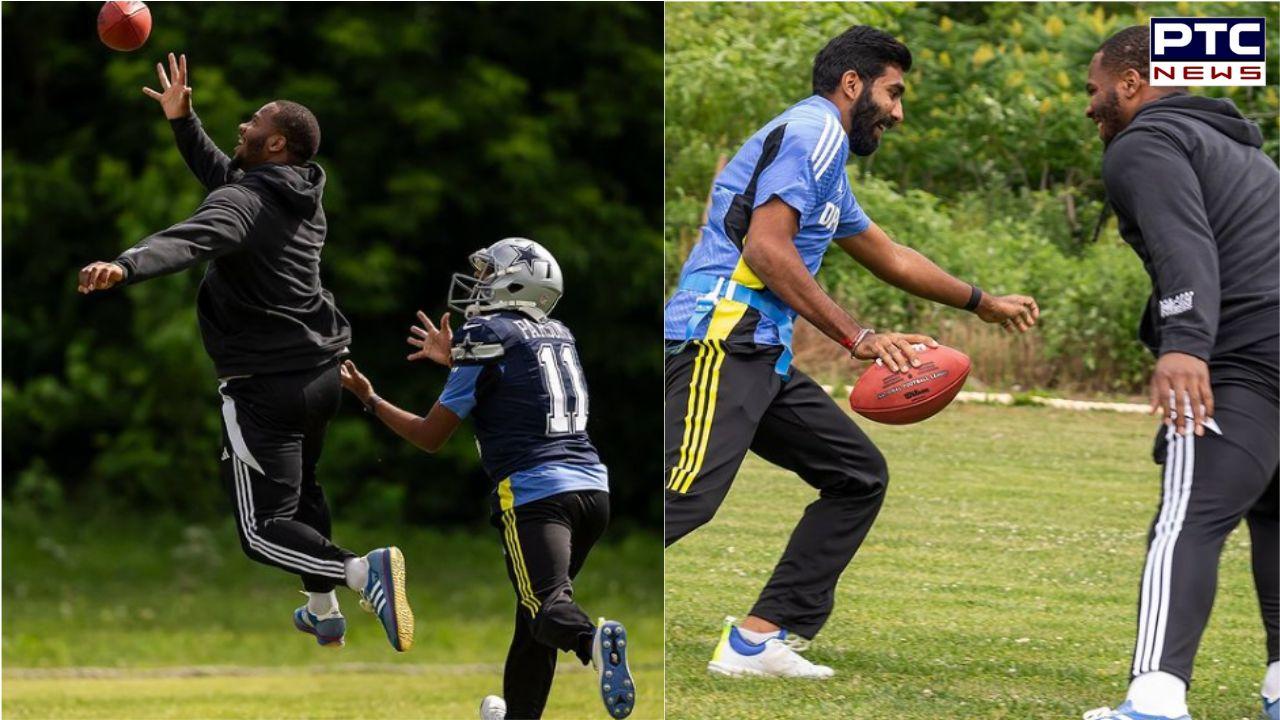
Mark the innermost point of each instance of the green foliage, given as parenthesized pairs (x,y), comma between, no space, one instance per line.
(994,174)
(445,128)
(995,95)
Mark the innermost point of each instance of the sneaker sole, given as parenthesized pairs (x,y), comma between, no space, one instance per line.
(622,706)
(400,601)
(730,671)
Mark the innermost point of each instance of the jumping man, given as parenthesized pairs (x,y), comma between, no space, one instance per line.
(275,337)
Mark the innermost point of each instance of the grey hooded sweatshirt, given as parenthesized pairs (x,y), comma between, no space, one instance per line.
(1200,203)
(261,307)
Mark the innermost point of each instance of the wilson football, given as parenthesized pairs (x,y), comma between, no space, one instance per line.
(914,394)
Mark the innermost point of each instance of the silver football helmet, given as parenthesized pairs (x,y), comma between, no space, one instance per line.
(511,274)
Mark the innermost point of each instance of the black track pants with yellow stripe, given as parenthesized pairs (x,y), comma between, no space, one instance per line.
(545,543)
(720,403)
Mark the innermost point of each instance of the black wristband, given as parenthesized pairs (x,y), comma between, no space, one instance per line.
(975,297)
(371,407)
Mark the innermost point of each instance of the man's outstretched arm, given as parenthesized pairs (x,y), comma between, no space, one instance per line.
(210,165)
(770,251)
(907,269)
(218,227)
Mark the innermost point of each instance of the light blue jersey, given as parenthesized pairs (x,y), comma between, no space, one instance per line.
(800,158)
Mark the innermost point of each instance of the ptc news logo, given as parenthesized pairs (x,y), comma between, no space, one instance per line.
(1208,51)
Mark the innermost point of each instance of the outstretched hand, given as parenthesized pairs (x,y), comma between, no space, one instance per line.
(175,99)
(1013,312)
(99,276)
(355,381)
(433,343)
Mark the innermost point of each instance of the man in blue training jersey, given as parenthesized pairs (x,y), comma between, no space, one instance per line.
(775,209)
(516,373)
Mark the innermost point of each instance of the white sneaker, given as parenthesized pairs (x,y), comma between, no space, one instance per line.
(737,657)
(493,708)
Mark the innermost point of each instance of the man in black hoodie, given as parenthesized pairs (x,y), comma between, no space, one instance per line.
(1200,203)
(275,337)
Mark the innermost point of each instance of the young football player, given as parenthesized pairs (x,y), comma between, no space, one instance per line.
(516,373)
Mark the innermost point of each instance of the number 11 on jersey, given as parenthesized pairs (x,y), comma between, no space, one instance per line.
(555,366)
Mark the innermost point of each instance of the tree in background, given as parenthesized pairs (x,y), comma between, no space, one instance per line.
(445,127)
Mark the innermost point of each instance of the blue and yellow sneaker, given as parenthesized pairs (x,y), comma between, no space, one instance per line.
(1126,712)
(384,596)
(329,631)
(1270,709)
(609,656)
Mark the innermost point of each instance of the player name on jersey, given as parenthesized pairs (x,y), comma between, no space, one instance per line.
(531,330)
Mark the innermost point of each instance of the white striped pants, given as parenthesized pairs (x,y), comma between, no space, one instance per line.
(1210,484)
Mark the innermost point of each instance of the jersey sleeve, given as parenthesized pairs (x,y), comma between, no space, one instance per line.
(478,342)
(790,175)
(459,394)
(853,219)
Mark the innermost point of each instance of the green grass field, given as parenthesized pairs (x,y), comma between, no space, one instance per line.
(1000,580)
(150,619)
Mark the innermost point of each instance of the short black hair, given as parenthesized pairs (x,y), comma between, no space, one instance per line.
(300,129)
(862,49)
(1128,49)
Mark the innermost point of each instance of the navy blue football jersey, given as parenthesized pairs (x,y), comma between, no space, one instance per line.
(522,384)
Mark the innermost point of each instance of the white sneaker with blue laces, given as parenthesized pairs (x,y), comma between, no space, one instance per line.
(736,656)
(1126,712)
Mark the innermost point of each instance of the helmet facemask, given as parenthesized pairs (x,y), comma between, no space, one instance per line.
(512,274)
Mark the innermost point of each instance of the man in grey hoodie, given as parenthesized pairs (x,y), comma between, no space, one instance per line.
(1200,204)
(276,338)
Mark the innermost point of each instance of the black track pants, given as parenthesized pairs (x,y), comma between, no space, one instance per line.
(1210,484)
(273,429)
(721,404)
(545,543)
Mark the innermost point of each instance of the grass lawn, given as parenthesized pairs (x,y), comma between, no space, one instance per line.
(1000,580)
(150,619)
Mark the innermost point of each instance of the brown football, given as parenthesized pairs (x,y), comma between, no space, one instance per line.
(899,398)
(124,25)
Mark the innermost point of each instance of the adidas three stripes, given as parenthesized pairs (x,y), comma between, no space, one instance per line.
(273,430)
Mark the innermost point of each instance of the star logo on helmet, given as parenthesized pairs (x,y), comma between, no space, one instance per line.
(526,256)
